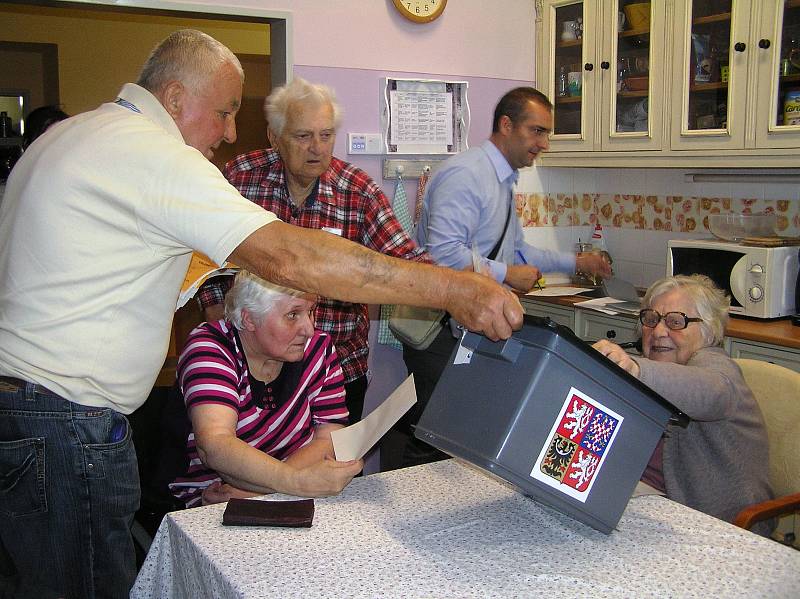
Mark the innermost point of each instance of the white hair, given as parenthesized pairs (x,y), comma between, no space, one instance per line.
(277,104)
(189,56)
(254,294)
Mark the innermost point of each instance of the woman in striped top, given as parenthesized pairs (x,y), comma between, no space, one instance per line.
(263,391)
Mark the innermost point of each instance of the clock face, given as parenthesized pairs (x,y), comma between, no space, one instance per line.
(420,11)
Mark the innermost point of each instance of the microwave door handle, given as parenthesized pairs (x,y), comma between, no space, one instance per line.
(738,280)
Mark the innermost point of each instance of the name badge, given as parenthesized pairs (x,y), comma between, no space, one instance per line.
(334,230)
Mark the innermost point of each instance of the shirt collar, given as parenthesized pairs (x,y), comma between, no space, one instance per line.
(501,166)
(149,106)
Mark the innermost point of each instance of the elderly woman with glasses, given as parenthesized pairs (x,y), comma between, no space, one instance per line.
(719,463)
(263,390)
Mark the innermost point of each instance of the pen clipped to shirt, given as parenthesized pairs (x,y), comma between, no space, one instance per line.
(524,261)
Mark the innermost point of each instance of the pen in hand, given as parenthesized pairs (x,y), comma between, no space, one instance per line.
(524,261)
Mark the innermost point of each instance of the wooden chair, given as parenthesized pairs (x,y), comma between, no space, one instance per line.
(777,391)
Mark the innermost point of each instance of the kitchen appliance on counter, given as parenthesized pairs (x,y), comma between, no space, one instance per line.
(762,281)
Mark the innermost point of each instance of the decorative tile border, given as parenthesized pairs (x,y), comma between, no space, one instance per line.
(656,213)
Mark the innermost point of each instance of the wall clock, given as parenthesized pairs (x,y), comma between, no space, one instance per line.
(420,11)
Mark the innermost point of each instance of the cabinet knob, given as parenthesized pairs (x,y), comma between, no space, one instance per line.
(739,46)
(588,66)
(605,65)
(611,334)
(763,44)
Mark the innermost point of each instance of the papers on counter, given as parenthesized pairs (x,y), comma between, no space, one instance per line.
(551,291)
(352,442)
(606,306)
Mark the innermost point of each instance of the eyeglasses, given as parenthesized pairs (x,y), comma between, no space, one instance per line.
(676,321)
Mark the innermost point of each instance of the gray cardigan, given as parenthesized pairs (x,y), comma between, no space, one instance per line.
(719,464)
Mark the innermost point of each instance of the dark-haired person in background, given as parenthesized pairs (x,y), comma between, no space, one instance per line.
(39,120)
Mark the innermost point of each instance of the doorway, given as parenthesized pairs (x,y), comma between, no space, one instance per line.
(74,51)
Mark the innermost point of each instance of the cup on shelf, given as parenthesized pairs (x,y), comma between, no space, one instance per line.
(569,31)
(574,83)
(620,21)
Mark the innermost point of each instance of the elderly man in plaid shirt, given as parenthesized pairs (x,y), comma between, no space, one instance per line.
(300,180)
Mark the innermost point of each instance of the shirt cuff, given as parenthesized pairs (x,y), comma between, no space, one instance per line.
(498,270)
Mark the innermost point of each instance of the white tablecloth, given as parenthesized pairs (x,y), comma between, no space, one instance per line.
(448,530)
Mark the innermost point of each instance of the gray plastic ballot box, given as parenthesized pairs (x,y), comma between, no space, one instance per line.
(552,416)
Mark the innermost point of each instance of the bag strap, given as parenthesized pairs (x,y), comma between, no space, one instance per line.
(497,245)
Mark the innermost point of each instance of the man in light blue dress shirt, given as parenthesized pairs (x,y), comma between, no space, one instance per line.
(467,204)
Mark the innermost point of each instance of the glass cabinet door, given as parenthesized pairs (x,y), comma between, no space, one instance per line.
(709,65)
(787,113)
(632,97)
(598,75)
(778,74)
(714,47)
(567,72)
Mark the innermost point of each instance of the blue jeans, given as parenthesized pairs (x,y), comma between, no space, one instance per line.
(68,494)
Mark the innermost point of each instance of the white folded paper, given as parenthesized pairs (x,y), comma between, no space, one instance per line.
(352,442)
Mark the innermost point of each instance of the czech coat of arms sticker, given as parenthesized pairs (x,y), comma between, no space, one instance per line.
(579,441)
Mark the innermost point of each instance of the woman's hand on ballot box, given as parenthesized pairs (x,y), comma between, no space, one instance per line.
(619,356)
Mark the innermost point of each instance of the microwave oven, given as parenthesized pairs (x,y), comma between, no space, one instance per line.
(761,281)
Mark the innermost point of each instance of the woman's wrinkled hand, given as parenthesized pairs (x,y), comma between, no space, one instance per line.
(619,356)
(326,477)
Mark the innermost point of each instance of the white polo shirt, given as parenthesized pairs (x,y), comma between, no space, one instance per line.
(97,226)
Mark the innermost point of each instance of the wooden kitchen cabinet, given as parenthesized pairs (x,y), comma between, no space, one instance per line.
(720,77)
(730,92)
(560,314)
(592,326)
(766,352)
(612,107)
(586,324)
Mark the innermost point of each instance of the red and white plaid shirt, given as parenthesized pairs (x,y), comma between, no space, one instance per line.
(346,202)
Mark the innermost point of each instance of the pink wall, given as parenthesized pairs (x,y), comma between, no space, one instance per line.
(358,91)
(472,37)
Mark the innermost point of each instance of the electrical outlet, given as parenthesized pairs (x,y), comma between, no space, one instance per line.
(364,143)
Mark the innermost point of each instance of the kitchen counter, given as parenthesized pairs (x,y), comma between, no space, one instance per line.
(780,332)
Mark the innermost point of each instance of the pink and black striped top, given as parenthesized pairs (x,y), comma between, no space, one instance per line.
(277,418)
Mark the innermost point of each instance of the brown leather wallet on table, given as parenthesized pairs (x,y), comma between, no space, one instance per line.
(252,512)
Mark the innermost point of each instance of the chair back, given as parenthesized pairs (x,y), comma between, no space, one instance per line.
(777,391)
